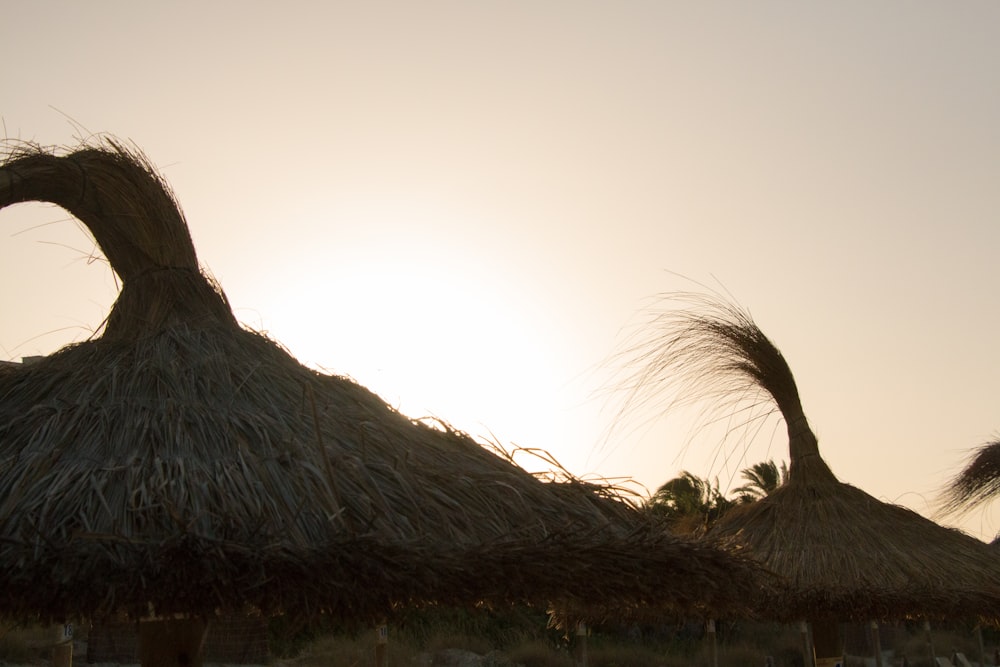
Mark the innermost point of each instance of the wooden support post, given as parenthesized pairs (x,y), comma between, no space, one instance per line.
(580,649)
(982,649)
(62,645)
(382,645)
(930,642)
(172,642)
(807,653)
(876,644)
(713,647)
(827,649)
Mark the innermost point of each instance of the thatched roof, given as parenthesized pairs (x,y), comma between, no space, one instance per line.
(183,462)
(841,552)
(836,550)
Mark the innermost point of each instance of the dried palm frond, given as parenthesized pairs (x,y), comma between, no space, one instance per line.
(711,353)
(978,483)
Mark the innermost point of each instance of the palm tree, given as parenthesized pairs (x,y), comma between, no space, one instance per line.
(762,478)
(689,503)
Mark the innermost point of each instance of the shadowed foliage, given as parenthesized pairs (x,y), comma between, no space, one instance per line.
(761,480)
(178,462)
(689,503)
(837,551)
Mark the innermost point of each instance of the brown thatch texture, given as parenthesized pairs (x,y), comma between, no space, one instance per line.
(183,462)
(842,553)
(976,484)
(837,551)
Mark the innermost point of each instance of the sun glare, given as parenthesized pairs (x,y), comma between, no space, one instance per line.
(429,331)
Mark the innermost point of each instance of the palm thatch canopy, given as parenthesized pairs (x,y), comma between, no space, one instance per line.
(179,463)
(976,484)
(836,550)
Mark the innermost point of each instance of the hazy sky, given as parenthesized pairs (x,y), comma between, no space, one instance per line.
(466,205)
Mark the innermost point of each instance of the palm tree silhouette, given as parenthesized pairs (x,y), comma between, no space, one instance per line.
(762,478)
(689,503)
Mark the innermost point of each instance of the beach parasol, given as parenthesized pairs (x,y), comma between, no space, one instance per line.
(837,552)
(180,464)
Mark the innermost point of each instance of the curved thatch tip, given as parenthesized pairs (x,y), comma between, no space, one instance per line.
(112,189)
(131,212)
(711,351)
(977,483)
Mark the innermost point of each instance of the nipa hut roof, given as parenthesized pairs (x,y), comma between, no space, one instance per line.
(836,551)
(181,463)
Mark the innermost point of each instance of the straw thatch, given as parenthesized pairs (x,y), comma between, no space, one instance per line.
(181,463)
(976,484)
(837,551)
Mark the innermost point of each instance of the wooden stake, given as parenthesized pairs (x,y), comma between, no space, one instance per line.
(172,642)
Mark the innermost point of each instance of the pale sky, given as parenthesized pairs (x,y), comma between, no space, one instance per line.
(466,205)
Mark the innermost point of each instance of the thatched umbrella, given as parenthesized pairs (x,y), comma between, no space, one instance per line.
(181,464)
(838,552)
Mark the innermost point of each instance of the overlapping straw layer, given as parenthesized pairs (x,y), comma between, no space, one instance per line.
(842,553)
(835,550)
(180,463)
